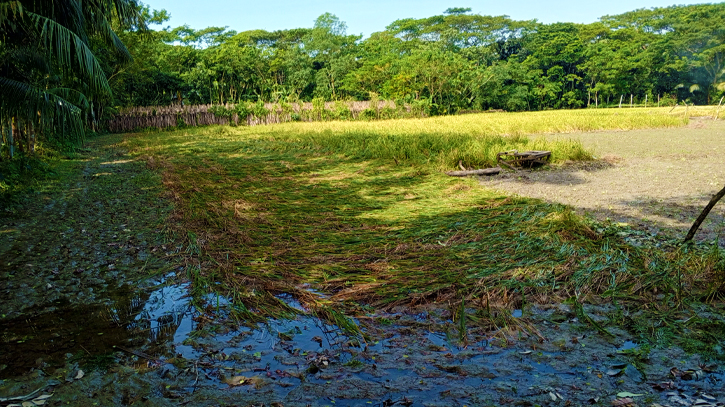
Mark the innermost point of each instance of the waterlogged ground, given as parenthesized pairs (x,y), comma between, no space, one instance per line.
(95,310)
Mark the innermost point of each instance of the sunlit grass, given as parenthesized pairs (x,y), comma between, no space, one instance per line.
(473,140)
(360,213)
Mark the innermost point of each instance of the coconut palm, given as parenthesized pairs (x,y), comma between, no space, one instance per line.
(48,70)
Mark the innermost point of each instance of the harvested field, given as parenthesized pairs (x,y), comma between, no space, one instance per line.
(656,179)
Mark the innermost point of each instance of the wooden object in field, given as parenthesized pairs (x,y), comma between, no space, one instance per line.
(524,159)
(465,173)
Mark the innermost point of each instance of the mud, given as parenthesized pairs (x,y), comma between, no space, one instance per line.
(76,331)
(304,362)
(656,180)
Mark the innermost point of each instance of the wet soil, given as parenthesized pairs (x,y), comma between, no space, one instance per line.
(76,254)
(656,180)
(94,311)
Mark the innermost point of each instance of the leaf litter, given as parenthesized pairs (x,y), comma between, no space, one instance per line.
(430,356)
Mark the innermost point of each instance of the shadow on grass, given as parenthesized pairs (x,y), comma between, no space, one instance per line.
(672,218)
(271,217)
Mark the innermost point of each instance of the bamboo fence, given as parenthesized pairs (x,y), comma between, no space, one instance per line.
(160,117)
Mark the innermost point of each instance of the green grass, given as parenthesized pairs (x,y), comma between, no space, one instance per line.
(290,207)
(472,139)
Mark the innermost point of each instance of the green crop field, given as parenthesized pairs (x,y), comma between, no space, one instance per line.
(356,217)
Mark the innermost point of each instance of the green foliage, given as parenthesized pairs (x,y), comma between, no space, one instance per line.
(440,64)
(50,72)
(259,110)
(20,174)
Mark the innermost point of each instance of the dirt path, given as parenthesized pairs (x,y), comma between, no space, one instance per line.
(657,180)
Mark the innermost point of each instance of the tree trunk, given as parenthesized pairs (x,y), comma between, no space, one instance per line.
(589,97)
(11,142)
(31,138)
(17,134)
(704,214)
(465,173)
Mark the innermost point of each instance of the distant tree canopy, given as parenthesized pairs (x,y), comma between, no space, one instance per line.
(453,61)
(70,63)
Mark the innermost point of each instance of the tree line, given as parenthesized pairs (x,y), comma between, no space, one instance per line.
(66,66)
(450,62)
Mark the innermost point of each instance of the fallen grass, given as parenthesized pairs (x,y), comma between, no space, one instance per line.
(297,209)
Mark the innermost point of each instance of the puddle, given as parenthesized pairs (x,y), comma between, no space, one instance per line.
(148,319)
(627,346)
(305,361)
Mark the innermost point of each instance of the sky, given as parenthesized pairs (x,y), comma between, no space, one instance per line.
(366,17)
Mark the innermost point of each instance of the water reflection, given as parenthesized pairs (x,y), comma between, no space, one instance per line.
(147,319)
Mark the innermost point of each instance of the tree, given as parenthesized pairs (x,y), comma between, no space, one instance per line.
(48,69)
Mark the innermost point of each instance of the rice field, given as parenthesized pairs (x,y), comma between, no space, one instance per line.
(472,140)
(352,218)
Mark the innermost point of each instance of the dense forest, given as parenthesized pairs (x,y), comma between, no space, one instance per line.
(452,61)
(63,68)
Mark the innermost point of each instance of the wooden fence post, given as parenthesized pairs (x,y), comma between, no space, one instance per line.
(620,101)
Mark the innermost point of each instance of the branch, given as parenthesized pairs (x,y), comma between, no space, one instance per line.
(703,215)
(487,171)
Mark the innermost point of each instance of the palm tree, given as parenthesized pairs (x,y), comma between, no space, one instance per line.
(48,70)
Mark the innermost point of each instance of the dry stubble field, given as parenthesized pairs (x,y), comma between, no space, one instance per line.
(657,179)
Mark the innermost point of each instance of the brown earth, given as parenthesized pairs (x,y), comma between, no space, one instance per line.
(657,180)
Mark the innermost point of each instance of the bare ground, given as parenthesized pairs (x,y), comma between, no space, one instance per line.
(657,180)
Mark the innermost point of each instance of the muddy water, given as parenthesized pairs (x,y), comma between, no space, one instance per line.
(161,351)
(82,322)
(92,332)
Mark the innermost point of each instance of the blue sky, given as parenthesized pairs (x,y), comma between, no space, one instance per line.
(371,16)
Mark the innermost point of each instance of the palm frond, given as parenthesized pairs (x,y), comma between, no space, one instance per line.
(103,28)
(74,96)
(49,111)
(69,50)
(9,11)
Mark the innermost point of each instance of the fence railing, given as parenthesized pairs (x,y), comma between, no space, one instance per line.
(160,117)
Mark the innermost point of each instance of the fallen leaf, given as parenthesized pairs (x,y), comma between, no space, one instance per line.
(664,386)
(693,375)
(235,380)
(628,394)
